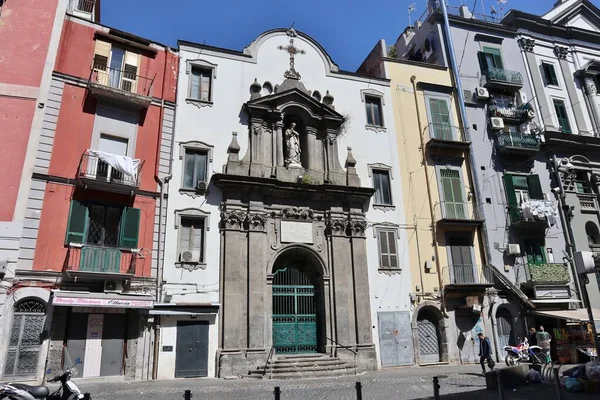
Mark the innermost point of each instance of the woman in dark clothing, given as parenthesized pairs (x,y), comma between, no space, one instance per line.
(531,338)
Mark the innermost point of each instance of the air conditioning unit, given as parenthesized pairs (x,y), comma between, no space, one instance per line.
(514,249)
(523,97)
(201,185)
(482,93)
(497,123)
(189,256)
(113,286)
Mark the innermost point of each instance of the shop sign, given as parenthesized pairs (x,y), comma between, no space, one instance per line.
(91,302)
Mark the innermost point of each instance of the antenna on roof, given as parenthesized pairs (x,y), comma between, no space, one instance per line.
(493,10)
(411,7)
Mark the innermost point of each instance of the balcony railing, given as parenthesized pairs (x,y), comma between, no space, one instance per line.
(534,274)
(501,78)
(517,142)
(456,212)
(468,274)
(516,114)
(588,202)
(120,85)
(534,213)
(441,137)
(94,172)
(100,260)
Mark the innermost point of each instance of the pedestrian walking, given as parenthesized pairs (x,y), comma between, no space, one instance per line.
(485,353)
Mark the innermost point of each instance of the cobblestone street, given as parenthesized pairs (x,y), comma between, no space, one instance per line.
(462,382)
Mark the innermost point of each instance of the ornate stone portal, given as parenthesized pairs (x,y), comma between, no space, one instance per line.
(288,198)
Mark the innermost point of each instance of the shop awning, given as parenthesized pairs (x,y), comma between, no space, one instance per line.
(107,300)
(579,315)
(185,309)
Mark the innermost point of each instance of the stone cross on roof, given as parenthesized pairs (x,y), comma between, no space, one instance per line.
(292,51)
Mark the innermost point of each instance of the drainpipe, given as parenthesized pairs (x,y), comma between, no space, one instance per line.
(463,114)
(413,80)
(163,185)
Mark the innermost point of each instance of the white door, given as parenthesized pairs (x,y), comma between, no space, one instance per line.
(93,346)
(113,145)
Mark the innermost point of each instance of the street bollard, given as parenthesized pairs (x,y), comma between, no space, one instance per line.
(436,388)
(557,385)
(86,396)
(500,386)
(187,395)
(358,387)
(277,393)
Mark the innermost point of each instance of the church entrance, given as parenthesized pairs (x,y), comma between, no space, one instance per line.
(296,304)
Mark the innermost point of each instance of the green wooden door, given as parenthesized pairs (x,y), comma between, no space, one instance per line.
(440,119)
(294,312)
(454,206)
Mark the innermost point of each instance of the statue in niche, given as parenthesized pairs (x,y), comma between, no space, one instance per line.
(292,143)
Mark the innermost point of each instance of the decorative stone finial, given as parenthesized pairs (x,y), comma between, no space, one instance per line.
(255,89)
(234,147)
(328,100)
(350,160)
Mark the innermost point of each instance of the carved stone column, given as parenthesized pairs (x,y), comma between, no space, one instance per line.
(343,289)
(234,282)
(280,155)
(257,260)
(311,148)
(561,53)
(527,45)
(591,92)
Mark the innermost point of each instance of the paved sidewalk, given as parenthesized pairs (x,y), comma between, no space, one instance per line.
(411,383)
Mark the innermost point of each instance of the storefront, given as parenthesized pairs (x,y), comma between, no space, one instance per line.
(571,334)
(99,329)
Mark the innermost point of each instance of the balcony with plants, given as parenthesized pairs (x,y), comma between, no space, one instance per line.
(543,274)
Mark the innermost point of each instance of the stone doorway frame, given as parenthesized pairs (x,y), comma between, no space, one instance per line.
(442,330)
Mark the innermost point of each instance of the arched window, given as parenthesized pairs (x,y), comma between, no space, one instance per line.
(593,235)
(25,339)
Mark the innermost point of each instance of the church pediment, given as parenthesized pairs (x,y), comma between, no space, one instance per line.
(295,97)
(581,14)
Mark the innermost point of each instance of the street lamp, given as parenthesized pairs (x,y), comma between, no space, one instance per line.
(585,263)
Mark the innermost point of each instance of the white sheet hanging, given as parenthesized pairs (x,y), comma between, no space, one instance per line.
(536,209)
(127,165)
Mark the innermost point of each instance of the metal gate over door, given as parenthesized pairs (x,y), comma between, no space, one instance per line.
(395,338)
(24,343)
(429,341)
(294,312)
(505,329)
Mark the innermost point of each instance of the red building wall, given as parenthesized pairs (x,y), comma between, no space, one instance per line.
(25,31)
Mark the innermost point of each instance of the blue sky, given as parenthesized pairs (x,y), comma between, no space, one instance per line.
(347,29)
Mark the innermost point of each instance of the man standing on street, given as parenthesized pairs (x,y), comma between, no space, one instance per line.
(485,352)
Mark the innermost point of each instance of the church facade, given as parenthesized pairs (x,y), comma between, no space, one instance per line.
(289,227)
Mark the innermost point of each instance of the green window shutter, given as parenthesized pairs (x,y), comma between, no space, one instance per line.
(130,226)
(511,196)
(482,62)
(550,74)
(77,224)
(496,56)
(440,118)
(535,187)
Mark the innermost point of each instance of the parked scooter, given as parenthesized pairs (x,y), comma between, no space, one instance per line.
(67,390)
(524,353)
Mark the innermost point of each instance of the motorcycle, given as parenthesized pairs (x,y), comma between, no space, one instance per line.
(524,353)
(67,390)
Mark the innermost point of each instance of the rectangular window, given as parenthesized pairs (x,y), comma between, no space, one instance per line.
(373,106)
(520,188)
(582,182)
(550,74)
(561,115)
(535,250)
(439,112)
(103,225)
(388,250)
(191,239)
(195,166)
(452,190)
(200,86)
(490,58)
(381,183)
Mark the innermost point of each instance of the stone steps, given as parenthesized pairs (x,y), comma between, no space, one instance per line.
(303,366)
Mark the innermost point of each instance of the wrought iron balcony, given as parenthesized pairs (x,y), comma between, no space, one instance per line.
(469,276)
(91,259)
(442,138)
(94,173)
(502,79)
(588,202)
(512,114)
(121,85)
(543,274)
(451,214)
(517,143)
(534,214)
